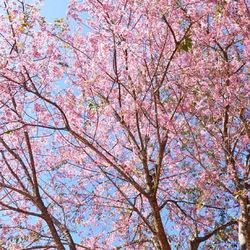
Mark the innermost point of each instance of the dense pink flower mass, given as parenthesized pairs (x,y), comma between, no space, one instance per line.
(134,134)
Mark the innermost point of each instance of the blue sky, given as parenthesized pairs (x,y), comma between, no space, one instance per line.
(52,9)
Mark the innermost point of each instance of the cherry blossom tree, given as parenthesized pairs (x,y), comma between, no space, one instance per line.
(133,134)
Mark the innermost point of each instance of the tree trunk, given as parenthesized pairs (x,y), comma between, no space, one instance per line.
(244,224)
(65,233)
(53,231)
(158,226)
(46,216)
(194,244)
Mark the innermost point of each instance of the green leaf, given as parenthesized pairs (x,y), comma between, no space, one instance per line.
(217,11)
(59,21)
(186,44)
(92,105)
